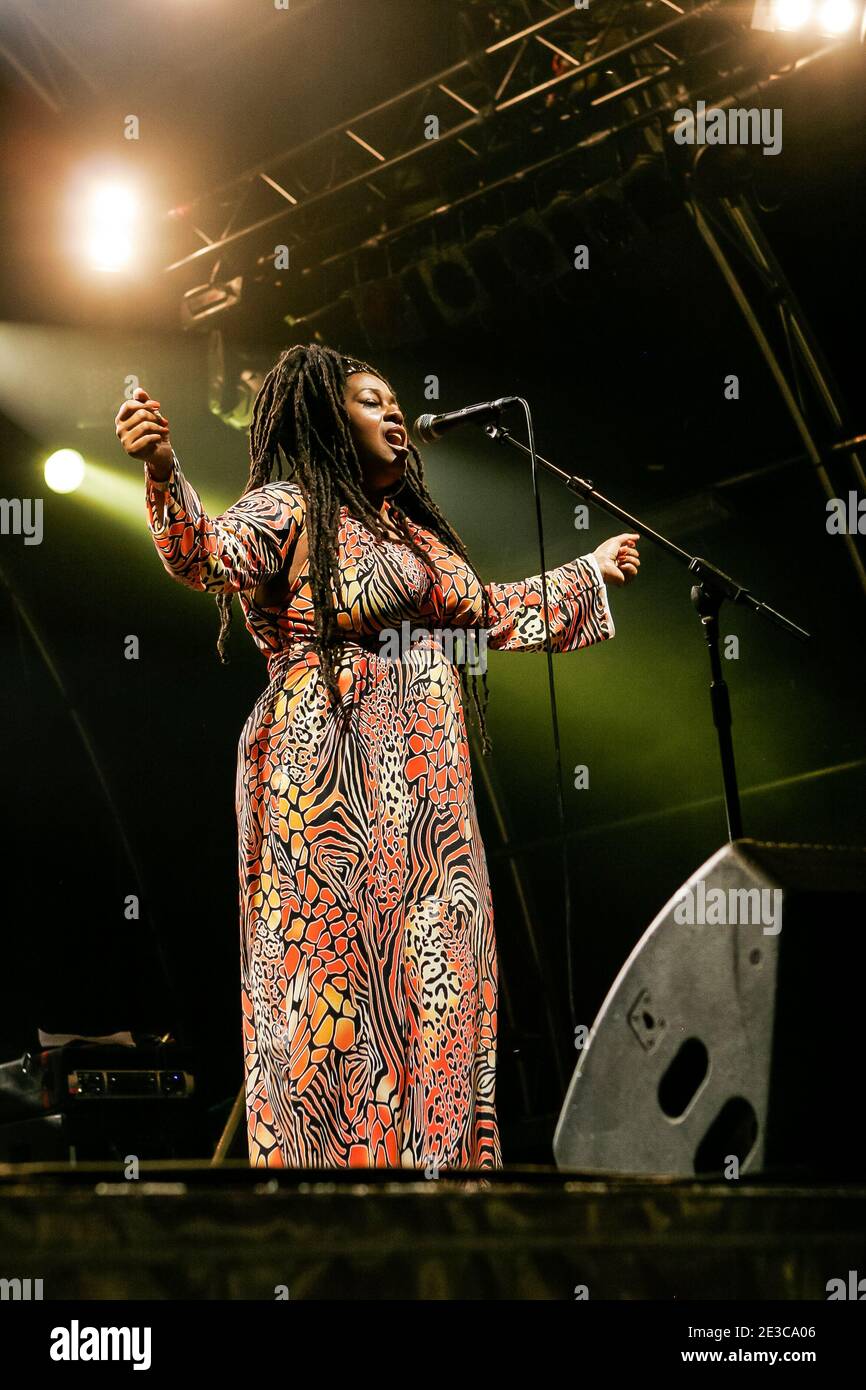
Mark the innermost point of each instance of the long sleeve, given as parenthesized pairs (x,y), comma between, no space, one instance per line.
(576,596)
(249,542)
(577,604)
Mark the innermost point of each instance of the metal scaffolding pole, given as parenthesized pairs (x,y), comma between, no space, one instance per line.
(753,242)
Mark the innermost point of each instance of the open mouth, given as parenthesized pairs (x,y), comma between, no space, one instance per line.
(396,437)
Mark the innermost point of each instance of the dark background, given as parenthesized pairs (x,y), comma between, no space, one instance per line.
(627,388)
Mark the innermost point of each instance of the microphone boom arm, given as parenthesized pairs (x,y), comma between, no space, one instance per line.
(707,574)
(707,595)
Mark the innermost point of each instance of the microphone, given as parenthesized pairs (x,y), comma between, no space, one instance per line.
(428,428)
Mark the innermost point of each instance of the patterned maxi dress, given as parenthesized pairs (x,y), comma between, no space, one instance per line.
(368,958)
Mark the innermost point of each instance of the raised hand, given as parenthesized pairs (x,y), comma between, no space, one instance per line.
(143,433)
(618,558)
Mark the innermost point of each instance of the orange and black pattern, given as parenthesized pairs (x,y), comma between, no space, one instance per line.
(368,957)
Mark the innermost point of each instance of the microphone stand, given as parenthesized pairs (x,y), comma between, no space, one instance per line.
(707,595)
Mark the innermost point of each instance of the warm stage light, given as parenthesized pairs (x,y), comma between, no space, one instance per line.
(111,209)
(792,14)
(833,18)
(836,16)
(64,470)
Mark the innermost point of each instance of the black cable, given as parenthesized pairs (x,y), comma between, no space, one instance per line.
(554,719)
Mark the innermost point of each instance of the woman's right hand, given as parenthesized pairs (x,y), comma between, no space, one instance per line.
(143,433)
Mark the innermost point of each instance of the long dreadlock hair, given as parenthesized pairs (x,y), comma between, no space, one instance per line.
(300,416)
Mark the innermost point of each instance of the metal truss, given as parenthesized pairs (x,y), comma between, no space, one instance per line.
(733,234)
(730,224)
(557,83)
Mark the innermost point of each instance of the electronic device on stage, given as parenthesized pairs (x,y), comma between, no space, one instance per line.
(92,1101)
(732,1039)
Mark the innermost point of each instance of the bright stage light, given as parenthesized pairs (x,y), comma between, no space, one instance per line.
(792,14)
(109,250)
(111,209)
(113,202)
(64,470)
(836,16)
(832,18)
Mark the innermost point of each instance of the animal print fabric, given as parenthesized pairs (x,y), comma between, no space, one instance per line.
(368,956)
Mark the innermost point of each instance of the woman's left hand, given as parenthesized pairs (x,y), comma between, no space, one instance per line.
(618,558)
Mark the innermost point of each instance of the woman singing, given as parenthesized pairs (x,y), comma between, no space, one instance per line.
(368,958)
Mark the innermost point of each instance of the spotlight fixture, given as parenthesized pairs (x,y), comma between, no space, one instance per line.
(234,379)
(206,301)
(837,16)
(64,470)
(830,18)
(110,211)
(792,14)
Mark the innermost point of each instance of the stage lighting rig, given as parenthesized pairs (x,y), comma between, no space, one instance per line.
(203,303)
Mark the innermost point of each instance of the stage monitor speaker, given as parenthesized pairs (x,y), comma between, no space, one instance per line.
(733,1038)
